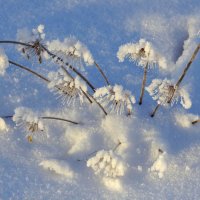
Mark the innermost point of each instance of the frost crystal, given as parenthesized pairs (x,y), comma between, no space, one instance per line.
(67,88)
(164,91)
(3,62)
(73,51)
(107,163)
(25,117)
(115,99)
(142,53)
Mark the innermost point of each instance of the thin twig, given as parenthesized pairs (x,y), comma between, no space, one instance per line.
(29,70)
(61,119)
(143,84)
(154,112)
(196,121)
(102,73)
(184,72)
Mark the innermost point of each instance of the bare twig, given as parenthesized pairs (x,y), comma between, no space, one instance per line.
(143,83)
(184,72)
(154,112)
(102,73)
(196,121)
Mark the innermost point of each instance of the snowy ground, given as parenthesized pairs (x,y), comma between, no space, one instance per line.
(157,158)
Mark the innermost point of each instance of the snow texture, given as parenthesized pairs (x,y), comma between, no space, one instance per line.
(3,126)
(3,62)
(59,167)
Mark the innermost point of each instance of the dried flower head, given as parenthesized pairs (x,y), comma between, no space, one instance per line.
(70,90)
(26,118)
(34,38)
(115,99)
(165,92)
(71,51)
(107,163)
(142,53)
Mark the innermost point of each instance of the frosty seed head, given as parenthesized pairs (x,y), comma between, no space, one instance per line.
(142,53)
(116,99)
(34,38)
(71,51)
(69,90)
(165,93)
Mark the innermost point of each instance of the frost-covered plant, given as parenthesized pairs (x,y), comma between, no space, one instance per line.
(34,39)
(27,118)
(107,163)
(116,99)
(69,89)
(72,50)
(3,62)
(144,55)
(165,93)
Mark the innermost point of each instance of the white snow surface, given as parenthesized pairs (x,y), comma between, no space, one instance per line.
(54,164)
(3,62)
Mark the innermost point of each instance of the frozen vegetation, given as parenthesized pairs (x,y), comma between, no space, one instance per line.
(99,99)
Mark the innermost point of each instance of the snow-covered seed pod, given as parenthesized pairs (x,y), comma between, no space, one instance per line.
(28,119)
(69,90)
(165,93)
(115,99)
(34,39)
(107,163)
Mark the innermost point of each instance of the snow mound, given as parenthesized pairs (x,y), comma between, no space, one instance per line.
(3,62)
(59,167)
(160,165)
(3,126)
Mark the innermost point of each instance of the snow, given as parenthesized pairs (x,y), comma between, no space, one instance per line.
(59,167)
(160,165)
(3,126)
(154,158)
(3,62)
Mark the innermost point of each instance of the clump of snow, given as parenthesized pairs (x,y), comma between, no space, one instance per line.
(160,165)
(115,98)
(25,35)
(59,167)
(3,62)
(113,184)
(185,120)
(3,126)
(27,118)
(142,53)
(67,88)
(107,163)
(71,49)
(163,90)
